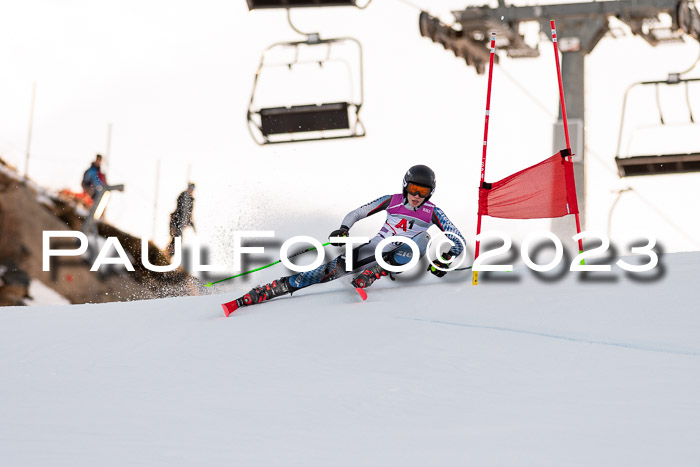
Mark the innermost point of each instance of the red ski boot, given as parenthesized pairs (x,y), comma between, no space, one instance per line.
(258,295)
(368,276)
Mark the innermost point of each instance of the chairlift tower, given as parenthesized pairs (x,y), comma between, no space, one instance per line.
(580,26)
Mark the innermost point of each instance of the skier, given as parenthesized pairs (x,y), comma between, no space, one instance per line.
(409,214)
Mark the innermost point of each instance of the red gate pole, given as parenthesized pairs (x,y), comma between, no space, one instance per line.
(563,115)
(475,274)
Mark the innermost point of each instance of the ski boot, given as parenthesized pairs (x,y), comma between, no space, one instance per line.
(368,276)
(258,295)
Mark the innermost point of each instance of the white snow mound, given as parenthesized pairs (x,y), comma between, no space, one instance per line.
(425,372)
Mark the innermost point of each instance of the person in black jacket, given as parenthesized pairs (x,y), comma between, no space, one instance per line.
(182,217)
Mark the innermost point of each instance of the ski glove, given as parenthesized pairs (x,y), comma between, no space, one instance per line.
(439,263)
(343,231)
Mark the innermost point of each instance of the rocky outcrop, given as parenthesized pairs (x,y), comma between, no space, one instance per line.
(25,213)
(14,284)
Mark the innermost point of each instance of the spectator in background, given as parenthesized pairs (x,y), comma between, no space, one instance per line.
(93,178)
(182,217)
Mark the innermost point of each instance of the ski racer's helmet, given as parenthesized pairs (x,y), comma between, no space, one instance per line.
(420,175)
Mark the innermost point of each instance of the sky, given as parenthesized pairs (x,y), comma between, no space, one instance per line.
(173,79)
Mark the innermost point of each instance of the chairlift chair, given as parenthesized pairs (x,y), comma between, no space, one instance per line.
(259,4)
(312,122)
(664,163)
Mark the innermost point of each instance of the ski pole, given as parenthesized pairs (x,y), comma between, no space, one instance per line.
(564,121)
(266,266)
(475,274)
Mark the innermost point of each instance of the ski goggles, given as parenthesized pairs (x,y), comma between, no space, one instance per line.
(417,190)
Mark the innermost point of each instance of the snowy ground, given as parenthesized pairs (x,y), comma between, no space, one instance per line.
(42,295)
(424,373)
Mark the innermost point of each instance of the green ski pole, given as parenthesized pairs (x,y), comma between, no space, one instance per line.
(263,267)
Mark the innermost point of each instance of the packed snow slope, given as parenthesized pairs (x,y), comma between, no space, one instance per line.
(425,372)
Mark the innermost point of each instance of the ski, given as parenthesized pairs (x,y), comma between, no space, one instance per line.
(233,305)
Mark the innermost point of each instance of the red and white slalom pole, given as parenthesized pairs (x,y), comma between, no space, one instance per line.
(563,115)
(475,274)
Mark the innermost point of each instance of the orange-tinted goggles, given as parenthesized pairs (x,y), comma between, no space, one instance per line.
(417,190)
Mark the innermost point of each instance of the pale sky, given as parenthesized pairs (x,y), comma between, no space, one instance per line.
(173,78)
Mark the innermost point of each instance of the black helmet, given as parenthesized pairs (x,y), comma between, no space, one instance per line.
(420,175)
